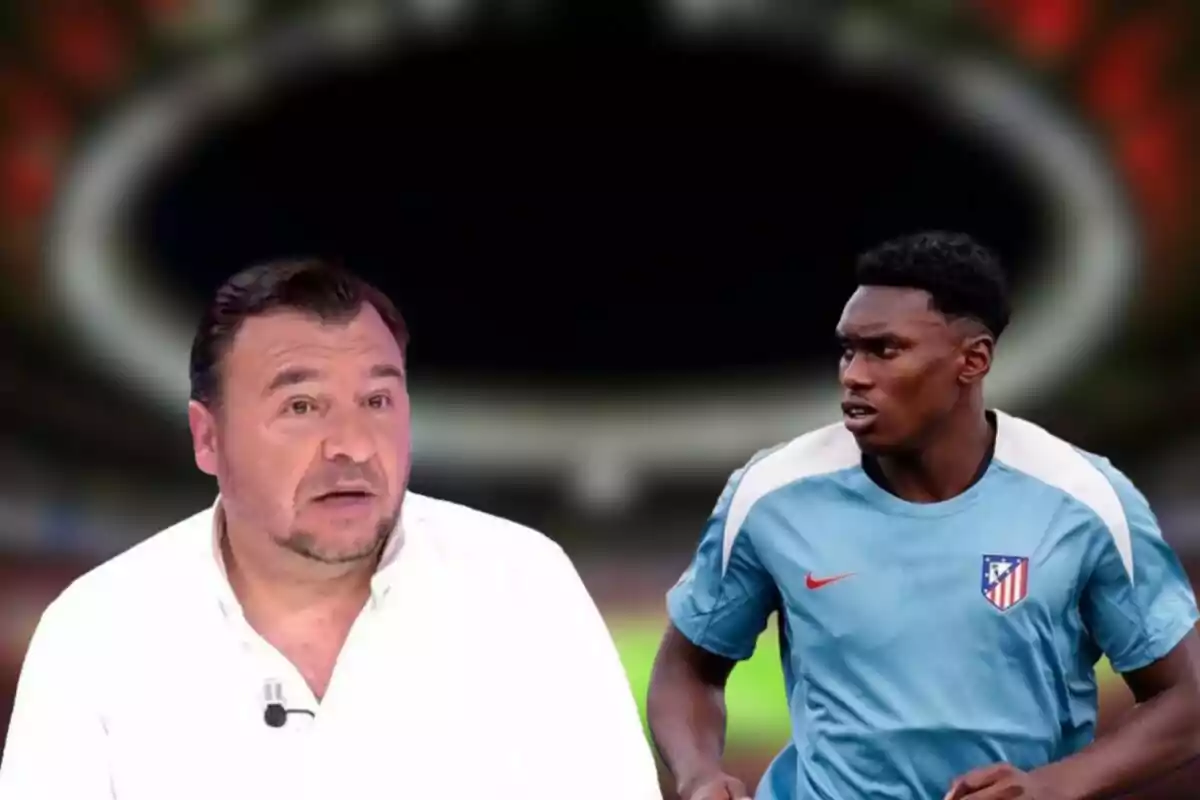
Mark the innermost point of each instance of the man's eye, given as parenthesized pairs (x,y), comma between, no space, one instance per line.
(300,407)
(379,402)
(885,350)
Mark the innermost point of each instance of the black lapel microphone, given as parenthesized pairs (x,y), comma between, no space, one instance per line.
(276,714)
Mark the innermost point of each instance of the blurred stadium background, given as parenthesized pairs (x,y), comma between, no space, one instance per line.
(621,231)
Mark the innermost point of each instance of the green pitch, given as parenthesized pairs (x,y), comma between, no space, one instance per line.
(755,699)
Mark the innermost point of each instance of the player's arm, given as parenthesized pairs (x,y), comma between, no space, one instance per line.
(586,739)
(56,745)
(686,709)
(1143,616)
(717,612)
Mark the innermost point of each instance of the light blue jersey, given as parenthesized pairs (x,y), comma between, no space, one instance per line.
(923,640)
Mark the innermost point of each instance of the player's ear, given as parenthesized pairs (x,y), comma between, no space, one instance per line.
(203,424)
(977,351)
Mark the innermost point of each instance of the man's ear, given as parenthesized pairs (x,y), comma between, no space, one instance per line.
(203,424)
(977,352)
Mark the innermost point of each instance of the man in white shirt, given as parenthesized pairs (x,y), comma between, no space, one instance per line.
(321,631)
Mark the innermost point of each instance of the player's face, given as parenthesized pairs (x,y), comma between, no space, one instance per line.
(903,369)
(310,443)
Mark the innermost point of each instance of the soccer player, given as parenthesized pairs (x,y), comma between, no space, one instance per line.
(946,576)
(320,631)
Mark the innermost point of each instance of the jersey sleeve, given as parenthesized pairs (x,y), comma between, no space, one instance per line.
(726,596)
(56,745)
(1139,604)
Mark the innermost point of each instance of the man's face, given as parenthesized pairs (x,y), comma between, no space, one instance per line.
(310,443)
(904,366)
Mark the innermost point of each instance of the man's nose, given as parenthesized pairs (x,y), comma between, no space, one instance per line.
(348,439)
(856,374)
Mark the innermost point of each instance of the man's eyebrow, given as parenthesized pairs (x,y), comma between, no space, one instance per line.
(290,377)
(865,334)
(387,371)
(880,337)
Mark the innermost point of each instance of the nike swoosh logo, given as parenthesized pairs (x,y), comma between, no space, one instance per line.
(817,583)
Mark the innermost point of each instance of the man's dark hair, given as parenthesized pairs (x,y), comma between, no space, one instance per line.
(963,277)
(322,289)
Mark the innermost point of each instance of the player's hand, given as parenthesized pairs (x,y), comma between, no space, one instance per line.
(1001,782)
(717,787)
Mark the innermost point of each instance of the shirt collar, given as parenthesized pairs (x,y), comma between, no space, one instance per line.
(381,581)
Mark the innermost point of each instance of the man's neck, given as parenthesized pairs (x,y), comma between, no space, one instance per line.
(280,585)
(949,465)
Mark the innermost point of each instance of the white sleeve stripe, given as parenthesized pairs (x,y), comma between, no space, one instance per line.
(819,452)
(1035,452)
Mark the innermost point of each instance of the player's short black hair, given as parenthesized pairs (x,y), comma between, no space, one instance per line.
(323,289)
(964,278)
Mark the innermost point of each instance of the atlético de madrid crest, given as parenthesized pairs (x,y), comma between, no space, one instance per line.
(1005,580)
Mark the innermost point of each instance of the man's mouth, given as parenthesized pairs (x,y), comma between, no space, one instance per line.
(858,415)
(857,409)
(344,496)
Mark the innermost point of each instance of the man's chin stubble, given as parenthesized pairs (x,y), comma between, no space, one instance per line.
(306,545)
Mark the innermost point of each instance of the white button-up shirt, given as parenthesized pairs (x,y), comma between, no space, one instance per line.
(480,668)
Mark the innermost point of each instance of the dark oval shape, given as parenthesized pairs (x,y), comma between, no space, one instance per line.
(575,216)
